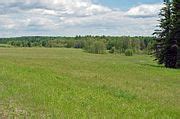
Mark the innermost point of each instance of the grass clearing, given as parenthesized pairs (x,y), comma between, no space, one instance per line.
(70,83)
(5,46)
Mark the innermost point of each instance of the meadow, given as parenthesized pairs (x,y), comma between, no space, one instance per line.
(70,83)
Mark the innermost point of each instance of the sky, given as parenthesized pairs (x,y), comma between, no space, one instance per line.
(78,17)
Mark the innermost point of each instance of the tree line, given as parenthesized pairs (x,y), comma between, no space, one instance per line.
(91,44)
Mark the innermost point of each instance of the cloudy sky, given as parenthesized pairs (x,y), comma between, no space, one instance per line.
(78,17)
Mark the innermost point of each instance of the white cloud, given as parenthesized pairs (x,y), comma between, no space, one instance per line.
(74,17)
(6,22)
(144,10)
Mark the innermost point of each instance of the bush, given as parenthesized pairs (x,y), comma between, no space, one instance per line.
(96,47)
(112,50)
(69,44)
(78,44)
(129,52)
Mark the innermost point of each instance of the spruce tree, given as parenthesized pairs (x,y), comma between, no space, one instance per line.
(167,49)
(176,27)
(163,34)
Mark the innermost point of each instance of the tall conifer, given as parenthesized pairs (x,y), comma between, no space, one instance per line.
(163,34)
(167,50)
(176,27)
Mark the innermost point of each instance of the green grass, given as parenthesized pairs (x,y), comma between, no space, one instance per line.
(5,46)
(69,83)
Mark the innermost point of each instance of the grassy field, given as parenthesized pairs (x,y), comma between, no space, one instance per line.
(5,46)
(69,83)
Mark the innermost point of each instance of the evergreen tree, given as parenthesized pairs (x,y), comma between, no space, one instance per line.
(176,27)
(163,34)
(168,37)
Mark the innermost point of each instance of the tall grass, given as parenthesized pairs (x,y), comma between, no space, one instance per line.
(70,83)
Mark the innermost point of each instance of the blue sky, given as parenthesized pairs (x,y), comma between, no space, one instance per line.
(78,17)
(126,4)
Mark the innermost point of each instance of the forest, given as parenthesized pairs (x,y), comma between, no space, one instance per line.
(92,44)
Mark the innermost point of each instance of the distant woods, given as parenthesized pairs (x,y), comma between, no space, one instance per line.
(92,44)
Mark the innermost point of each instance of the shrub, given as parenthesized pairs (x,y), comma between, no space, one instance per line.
(78,44)
(96,47)
(69,44)
(44,43)
(112,50)
(129,52)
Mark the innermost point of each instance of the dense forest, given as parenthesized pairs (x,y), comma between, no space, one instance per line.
(92,44)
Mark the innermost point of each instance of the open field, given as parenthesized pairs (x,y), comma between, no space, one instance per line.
(5,46)
(70,83)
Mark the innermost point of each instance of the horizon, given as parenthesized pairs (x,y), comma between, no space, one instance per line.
(74,36)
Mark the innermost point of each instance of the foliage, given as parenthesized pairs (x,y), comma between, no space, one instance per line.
(167,37)
(176,30)
(129,52)
(97,47)
(163,34)
(112,50)
(115,44)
